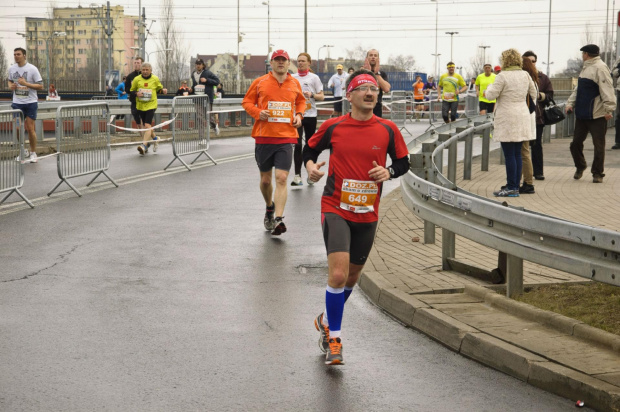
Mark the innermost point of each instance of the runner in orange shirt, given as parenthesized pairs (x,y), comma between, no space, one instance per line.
(418,96)
(277,103)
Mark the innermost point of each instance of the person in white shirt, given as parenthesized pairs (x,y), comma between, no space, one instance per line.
(25,80)
(312,88)
(337,81)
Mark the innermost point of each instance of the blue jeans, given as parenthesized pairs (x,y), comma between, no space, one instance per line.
(512,153)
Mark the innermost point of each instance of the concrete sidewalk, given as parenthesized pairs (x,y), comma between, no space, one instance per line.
(555,353)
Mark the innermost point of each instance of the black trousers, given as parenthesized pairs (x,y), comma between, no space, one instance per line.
(308,126)
(597,128)
(536,149)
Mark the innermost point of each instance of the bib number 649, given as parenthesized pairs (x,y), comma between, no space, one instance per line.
(358,199)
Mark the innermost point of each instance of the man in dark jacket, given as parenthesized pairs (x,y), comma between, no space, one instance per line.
(137,65)
(203,81)
(545,95)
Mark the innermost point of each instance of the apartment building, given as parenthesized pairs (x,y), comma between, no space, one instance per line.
(77,43)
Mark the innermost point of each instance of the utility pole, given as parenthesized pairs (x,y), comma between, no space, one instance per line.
(141,34)
(108,32)
(549,40)
(305,26)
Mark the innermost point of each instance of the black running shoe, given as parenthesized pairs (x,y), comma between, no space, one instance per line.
(527,189)
(324,330)
(279,228)
(269,220)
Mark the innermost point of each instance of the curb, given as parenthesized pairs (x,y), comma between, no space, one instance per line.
(559,322)
(495,353)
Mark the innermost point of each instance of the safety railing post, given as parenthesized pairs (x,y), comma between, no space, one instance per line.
(486,148)
(452,162)
(448,248)
(11,154)
(514,276)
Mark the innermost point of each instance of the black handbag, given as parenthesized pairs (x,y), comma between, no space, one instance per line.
(553,114)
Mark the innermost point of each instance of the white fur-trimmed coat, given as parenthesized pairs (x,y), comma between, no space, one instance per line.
(513,122)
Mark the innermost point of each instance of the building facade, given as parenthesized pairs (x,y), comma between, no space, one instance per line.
(77,42)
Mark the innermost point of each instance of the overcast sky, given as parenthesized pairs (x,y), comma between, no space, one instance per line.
(393,26)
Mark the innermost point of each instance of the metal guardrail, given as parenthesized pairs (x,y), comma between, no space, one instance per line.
(82,142)
(11,152)
(517,233)
(191,130)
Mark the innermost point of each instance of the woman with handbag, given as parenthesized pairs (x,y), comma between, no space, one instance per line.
(513,123)
(545,96)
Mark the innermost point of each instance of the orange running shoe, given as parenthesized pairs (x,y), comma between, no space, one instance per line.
(324,330)
(334,355)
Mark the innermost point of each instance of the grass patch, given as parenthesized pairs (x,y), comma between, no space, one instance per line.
(596,304)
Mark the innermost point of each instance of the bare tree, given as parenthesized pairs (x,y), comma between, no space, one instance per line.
(4,64)
(172,60)
(476,65)
(355,57)
(402,63)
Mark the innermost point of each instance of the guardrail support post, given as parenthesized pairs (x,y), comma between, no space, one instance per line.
(486,148)
(448,248)
(469,144)
(514,276)
(429,233)
(452,152)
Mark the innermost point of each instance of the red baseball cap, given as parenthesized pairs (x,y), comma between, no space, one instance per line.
(280,53)
(496,68)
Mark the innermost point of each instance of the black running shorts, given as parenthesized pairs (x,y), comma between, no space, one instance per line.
(341,235)
(146,116)
(489,107)
(269,156)
(338,105)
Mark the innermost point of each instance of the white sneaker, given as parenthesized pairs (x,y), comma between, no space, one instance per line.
(33,157)
(217,130)
(26,156)
(297,181)
(310,182)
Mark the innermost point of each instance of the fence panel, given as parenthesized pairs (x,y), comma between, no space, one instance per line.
(191,131)
(82,142)
(11,152)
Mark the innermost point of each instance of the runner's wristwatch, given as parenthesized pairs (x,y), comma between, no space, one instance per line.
(391,172)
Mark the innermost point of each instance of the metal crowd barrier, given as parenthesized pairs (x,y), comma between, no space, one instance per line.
(191,131)
(104,98)
(398,109)
(11,152)
(82,142)
(518,234)
(471,105)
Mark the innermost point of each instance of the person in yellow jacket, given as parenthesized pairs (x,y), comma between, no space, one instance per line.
(145,88)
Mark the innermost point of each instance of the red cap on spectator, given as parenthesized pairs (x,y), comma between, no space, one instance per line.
(280,53)
(497,68)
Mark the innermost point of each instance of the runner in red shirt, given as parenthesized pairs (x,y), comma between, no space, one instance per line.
(359,144)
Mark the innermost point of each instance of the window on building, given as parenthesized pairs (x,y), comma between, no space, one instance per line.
(78,41)
(81,51)
(78,60)
(40,42)
(77,22)
(89,22)
(88,41)
(39,23)
(81,32)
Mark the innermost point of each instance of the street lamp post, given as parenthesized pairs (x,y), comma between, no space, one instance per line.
(436,26)
(451,33)
(148,55)
(47,51)
(484,53)
(238,57)
(318,60)
(436,60)
(120,59)
(547,64)
(266,3)
(549,39)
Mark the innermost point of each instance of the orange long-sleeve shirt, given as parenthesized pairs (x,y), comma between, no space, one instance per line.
(283,100)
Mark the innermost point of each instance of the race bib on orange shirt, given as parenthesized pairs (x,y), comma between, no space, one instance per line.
(280,112)
(358,196)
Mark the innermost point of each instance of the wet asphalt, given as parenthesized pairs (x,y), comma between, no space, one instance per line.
(167,294)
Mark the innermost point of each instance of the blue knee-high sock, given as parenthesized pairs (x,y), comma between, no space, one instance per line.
(334,304)
(347,292)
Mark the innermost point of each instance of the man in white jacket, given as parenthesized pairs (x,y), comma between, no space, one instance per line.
(594,102)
